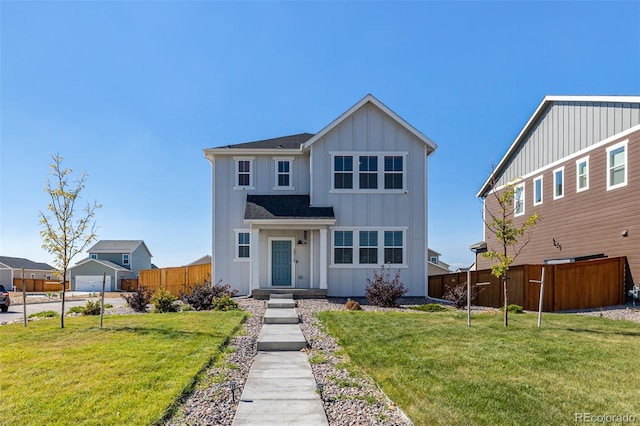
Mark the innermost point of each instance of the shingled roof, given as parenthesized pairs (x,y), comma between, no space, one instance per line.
(19,263)
(283,142)
(284,207)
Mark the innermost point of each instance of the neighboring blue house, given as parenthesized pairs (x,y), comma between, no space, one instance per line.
(323,211)
(118,259)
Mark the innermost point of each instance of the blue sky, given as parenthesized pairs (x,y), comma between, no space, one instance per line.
(133,91)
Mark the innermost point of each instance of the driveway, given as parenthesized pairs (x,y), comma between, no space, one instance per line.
(15,311)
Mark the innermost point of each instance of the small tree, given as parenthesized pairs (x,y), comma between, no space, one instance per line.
(501,223)
(67,231)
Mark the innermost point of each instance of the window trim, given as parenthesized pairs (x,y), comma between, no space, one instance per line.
(356,247)
(237,245)
(277,173)
(536,179)
(433,259)
(578,162)
(355,172)
(522,199)
(555,183)
(236,173)
(624,144)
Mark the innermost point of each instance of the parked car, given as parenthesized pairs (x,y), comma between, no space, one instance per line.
(5,301)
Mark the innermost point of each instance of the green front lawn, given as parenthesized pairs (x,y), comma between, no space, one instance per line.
(130,372)
(439,371)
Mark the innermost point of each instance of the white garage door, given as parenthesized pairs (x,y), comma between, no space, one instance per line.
(92,283)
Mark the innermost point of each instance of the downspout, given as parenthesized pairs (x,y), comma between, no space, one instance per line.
(211,159)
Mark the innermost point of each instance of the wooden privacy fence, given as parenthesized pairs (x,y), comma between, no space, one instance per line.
(130,284)
(32,284)
(175,280)
(577,285)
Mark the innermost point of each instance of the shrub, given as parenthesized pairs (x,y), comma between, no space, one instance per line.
(139,300)
(384,291)
(162,301)
(224,303)
(92,308)
(458,294)
(185,307)
(430,307)
(202,296)
(45,314)
(513,308)
(77,310)
(352,305)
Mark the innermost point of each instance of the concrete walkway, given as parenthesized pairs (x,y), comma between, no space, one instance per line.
(280,389)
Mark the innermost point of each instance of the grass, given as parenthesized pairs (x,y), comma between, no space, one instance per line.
(131,372)
(439,371)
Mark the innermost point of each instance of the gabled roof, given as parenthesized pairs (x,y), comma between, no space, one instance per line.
(283,142)
(204,260)
(521,138)
(117,246)
(372,99)
(284,207)
(19,263)
(106,263)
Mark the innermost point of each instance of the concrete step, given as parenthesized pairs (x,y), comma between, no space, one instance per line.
(281,316)
(281,303)
(281,296)
(281,337)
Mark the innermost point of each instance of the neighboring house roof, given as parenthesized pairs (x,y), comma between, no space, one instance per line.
(19,263)
(284,207)
(372,99)
(204,260)
(283,142)
(537,115)
(117,246)
(101,262)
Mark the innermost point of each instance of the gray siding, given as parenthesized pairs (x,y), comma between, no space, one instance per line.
(139,259)
(568,127)
(93,268)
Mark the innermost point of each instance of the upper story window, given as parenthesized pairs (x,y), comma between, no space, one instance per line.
(558,183)
(617,165)
(368,167)
(537,191)
(377,172)
(434,259)
(343,172)
(582,174)
(125,259)
(243,245)
(243,173)
(284,171)
(518,200)
(94,256)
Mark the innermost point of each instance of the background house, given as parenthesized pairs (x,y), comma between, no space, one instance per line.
(11,267)
(118,259)
(436,265)
(323,211)
(576,163)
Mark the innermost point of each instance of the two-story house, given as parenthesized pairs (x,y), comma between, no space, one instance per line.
(118,259)
(12,267)
(576,163)
(323,211)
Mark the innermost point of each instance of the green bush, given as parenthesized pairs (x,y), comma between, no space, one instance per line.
(45,314)
(430,307)
(224,303)
(92,308)
(162,301)
(185,307)
(77,310)
(513,308)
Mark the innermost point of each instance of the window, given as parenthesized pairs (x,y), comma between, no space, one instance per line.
(537,191)
(94,256)
(343,247)
(368,167)
(617,165)
(582,174)
(433,259)
(393,247)
(33,276)
(243,173)
(518,200)
(369,247)
(47,277)
(393,172)
(125,259)
(243,239)
(343,172)
(283,168)
(558,183)
(376,172)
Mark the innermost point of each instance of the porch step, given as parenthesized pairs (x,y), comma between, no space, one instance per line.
(281,303)
(281,296)
(298,293)
(281,316)
(281,337)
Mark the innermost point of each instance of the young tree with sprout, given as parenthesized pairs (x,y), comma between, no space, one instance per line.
(66,230)
(501,223)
